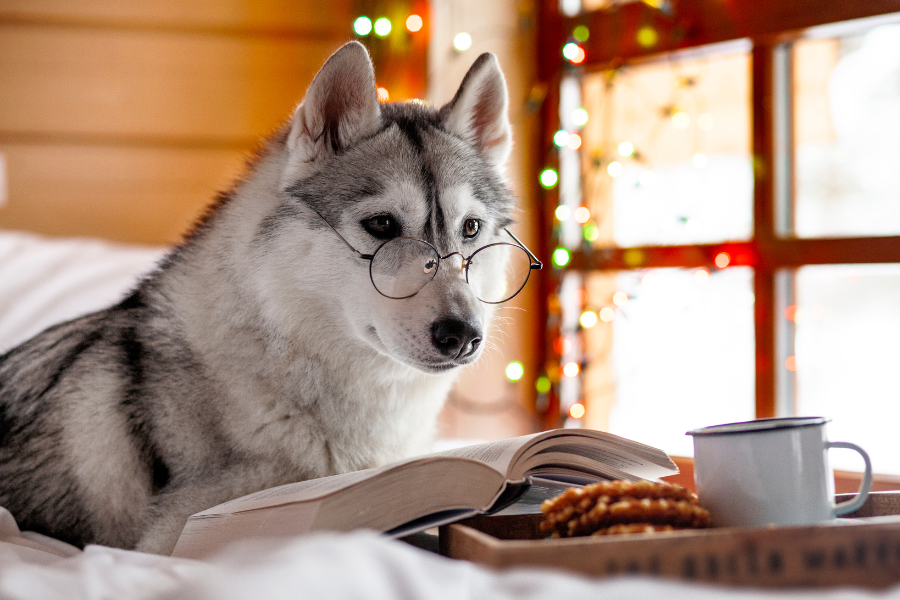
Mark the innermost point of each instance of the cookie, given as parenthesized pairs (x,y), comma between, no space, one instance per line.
(610,506)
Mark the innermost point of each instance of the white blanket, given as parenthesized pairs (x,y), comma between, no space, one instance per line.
(357,566)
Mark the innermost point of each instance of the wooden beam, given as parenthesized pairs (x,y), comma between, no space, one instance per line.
(691,23)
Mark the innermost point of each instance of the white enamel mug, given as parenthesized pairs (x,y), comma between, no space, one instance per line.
(770,471)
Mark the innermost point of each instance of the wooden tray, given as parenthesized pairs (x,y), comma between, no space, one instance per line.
(862,553)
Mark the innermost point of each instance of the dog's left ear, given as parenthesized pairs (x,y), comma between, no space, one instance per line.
(340,108)
(478,112)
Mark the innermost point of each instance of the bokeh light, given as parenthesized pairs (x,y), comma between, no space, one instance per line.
(515,370)
(581,33)
(563,212)
(570,51)
(571,369)
(462,41)
(582,215)
(607,314)
(620,298)
(362,26)
(626,149)
(614,169)
(382,26)
(383,95)
(543,384)
(591,232)
(414,23)
(647,37)
(588,319)
(722,259)
(701,275)
(561,138)
(576,411)
(574,142)
(579,116)
(561,257)
(549,177)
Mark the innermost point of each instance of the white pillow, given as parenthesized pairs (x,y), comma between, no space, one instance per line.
(46,281)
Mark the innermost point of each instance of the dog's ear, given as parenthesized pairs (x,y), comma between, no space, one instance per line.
(478,112)
(340,107)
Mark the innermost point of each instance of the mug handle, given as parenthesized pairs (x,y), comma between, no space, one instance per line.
(857,501)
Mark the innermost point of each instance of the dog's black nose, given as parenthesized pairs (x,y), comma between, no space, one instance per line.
(456,338)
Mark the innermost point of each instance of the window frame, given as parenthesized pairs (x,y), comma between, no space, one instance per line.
(773,251)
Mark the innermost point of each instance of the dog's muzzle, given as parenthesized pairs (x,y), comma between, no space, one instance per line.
(455,338)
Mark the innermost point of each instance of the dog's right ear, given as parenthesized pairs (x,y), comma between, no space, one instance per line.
(340,108)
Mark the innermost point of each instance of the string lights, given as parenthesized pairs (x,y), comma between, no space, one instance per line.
(576,226)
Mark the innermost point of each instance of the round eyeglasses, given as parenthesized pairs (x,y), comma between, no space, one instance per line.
(402,266)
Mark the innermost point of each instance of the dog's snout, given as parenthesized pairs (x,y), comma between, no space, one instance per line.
(456,338)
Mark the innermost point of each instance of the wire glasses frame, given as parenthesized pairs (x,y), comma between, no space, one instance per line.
(431,266)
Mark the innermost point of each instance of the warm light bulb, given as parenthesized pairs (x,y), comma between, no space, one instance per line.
(626,149)
(570,51)
(515,370)
(576,411)
(414,23)
(561,257)
(382,26)
(362,26)
(561,138)
(722,260)
(579,116)
(549,177)
(571,369)
(581,33)
(462,41)
(582,215)
(588,319)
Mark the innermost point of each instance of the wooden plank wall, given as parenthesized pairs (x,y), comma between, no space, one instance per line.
(121,119)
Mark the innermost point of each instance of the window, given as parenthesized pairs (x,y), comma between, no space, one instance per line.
(730,217)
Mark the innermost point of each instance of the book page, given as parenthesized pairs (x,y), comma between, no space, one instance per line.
(301,491)
(499,454)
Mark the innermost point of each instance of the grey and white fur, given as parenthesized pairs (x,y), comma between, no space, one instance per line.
(258,352)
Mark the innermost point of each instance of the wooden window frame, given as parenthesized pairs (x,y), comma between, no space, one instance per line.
(771,26)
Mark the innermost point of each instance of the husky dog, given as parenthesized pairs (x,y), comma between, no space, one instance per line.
(271,346)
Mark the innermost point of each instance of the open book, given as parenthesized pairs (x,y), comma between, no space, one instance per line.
(424,492)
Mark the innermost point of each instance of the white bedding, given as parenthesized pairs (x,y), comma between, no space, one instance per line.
(43,282)
(356,566)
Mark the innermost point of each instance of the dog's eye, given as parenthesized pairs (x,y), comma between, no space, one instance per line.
(470,227)
(383,227)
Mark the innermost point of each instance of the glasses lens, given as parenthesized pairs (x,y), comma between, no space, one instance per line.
(497,272)
(402,267)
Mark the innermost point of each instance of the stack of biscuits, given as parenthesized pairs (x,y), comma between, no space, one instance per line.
(613,507)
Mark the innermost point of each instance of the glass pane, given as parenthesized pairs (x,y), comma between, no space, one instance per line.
(847,134)
(847,327)
(666,152)
(675,354)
